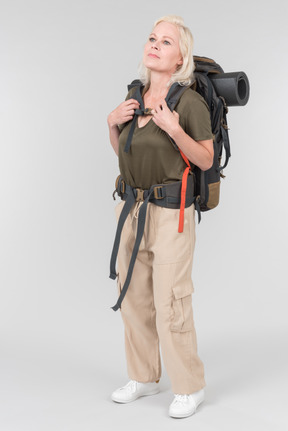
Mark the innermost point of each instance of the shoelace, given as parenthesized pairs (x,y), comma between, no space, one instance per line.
(131,385)
(183,399)
(180,398)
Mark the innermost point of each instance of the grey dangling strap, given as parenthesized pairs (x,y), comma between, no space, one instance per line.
(139,235)
(124,213)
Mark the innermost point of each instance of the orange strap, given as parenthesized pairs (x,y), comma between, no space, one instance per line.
(183,193)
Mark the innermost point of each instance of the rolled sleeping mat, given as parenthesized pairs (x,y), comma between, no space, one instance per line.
(234,87)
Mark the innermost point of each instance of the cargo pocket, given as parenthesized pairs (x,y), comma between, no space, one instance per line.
(182,316)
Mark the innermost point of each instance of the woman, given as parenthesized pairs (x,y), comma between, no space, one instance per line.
(158,303)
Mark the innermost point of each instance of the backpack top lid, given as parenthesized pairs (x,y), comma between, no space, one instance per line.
(205,64)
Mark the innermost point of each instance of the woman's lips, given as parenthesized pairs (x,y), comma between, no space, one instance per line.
(153,55)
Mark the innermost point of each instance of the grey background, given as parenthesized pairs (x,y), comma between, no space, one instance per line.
(64,66)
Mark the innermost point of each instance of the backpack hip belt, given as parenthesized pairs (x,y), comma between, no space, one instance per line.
(164,195)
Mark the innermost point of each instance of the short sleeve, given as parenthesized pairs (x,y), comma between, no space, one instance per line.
(194,116)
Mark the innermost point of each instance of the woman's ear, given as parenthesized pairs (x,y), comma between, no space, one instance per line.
(180,61)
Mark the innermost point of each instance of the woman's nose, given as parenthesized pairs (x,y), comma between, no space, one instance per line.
(155,45)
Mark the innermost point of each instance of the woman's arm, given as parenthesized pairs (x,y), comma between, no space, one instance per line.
(114,133)
(200,153)
(123,113)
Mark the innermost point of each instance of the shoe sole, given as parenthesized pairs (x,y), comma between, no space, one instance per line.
(152,392)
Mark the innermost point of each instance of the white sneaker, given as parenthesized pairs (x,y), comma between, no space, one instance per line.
(134,390)
(186,405)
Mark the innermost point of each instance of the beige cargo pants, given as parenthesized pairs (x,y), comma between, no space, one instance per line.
(158,303)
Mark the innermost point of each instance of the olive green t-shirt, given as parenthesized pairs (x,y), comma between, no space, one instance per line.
(152,158)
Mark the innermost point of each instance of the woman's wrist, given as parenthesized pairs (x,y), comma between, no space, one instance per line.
(176,132)
(111,122)
(112,126)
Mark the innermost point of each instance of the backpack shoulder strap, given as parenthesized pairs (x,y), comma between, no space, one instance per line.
(134,83)
(138,96)
(172,98)
(175,92)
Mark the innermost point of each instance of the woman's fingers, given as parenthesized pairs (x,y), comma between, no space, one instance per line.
(161,106)
(128,118)
(132,103)
(124,112)
(130,112)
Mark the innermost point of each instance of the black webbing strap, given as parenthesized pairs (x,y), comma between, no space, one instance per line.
(139,235)
(226,143)
(198,209)
(138,112)
(226,147)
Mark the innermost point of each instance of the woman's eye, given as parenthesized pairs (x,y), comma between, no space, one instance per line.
(152,39)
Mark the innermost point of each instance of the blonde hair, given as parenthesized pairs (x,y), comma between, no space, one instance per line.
(184,73)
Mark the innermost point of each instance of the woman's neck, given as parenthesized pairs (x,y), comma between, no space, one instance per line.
(158,85)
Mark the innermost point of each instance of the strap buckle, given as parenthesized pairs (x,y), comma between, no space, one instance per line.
(158,192)
(140,195)
(147,111)
(121,186)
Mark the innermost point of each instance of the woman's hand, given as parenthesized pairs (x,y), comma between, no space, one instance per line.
(164,118)
(123,113)
(198,152)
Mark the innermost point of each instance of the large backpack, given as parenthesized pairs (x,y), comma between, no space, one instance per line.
(208,182)
(207,189)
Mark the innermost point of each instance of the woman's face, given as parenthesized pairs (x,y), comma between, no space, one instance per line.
(162,51)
